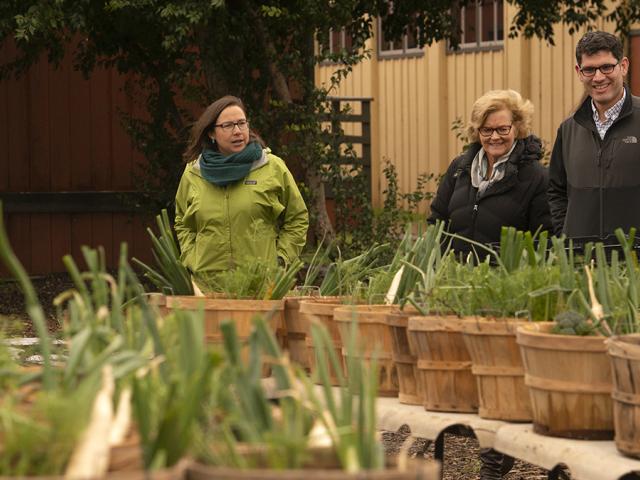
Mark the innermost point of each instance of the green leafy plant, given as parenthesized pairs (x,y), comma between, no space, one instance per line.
(572,323)
(251,280)
(360,226)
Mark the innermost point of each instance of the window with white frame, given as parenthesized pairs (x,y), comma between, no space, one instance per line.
(481,24)
(405,46)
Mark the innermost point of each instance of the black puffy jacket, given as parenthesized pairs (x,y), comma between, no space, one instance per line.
(518,200)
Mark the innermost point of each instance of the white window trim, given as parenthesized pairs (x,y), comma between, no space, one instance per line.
(404,52)
(479,44)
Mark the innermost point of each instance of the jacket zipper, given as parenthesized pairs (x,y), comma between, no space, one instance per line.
(474,215)
(601,191)
(226,201)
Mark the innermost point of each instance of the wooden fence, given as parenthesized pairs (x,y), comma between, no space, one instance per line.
(67,167)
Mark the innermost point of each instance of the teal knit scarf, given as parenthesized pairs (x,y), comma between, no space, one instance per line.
(224,170)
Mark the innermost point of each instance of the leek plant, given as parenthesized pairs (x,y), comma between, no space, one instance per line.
(170,276)
(319,260)
(614,288)
(167,364)
(375,290)
(34,308)
(45,410)
(170,402)
(247,429)
(422,262)
(344,277)
(106,319)
(40,429)
(348,414)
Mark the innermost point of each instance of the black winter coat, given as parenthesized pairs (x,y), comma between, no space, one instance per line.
(518,200)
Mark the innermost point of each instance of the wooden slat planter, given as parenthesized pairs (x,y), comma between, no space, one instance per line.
(497,367)
(624,355)
(569,381)
(321,310)
(373,338)
(160,302)
(444,364)
(404,358)
(240,311)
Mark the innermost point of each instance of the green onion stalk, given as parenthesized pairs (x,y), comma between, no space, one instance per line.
(170,275)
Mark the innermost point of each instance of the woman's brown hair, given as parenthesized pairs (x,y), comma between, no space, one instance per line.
(199,137)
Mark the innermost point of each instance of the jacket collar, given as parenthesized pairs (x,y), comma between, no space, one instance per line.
(526,150)
(584,113)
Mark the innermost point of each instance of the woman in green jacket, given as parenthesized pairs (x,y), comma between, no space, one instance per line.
(236,202)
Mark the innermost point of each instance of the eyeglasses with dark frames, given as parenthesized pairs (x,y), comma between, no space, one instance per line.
(605,69)
(229,126)
(502,130)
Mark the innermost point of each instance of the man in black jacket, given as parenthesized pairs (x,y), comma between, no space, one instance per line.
(594,177)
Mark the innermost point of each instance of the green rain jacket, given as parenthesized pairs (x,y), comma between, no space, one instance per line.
(262,216)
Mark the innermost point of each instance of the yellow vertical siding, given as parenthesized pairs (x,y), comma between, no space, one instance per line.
(416,99)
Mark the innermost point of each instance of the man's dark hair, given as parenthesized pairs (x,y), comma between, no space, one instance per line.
(594,42)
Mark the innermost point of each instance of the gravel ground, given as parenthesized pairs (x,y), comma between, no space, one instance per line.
(12,307)
(461,456)
(461,453)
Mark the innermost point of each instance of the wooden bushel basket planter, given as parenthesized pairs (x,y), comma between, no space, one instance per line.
(404,359)
(165,474)
(624,355)
(416,470)
(321,309)
(241,312)
(444,364)
(569,381)
(297,329)
(497,367)
(373,338)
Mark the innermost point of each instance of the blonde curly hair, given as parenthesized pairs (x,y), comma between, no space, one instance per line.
(495,101)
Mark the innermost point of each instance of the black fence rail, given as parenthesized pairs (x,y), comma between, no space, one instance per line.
(72,202)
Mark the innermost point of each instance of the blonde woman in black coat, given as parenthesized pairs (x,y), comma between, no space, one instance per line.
(499,180)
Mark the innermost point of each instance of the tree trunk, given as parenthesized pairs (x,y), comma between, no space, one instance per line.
(323,227)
